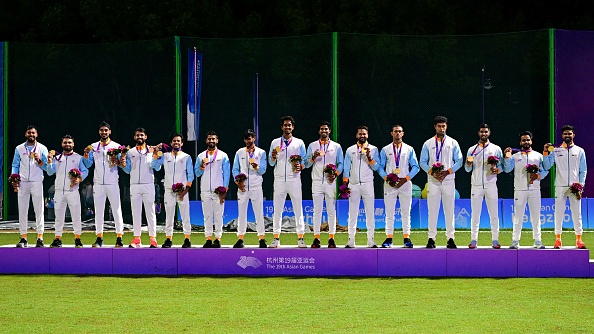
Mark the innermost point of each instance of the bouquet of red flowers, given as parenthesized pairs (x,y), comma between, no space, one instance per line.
(295,160)
(222,192)
(577,189)
(532,169)
(74,174)
(178,187)
(112,153)
(240,181)
(344,191)
(14,179)
(330,170)
(124,150)
(492,160)
(437,167)
(392,179)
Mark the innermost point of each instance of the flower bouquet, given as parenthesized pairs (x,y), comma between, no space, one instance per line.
(493,161)
(330,171)
(531,169)
(15,179)
(240,181)
(344,191)
(437,167)
(295,160)
(222,192)
(392,179)
(178,188)
(74,174)
(124,149)
(112,153)
(577,189)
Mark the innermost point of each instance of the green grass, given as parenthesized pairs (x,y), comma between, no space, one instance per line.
(223,305)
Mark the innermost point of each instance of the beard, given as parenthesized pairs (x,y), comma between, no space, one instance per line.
(139,142)
(67,149)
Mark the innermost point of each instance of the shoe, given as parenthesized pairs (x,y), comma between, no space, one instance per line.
(451,244)
(167,243)
(135,243)
(275,243)
(301,243)
(216,243)
(558,244)
(316,243)
(56,243)
(538,244)
(77,243)
(371,244)
(39,243)
(350,243)
(495,244)
(187,243)
(514,245)
(263,243)
(23,243)
(579,244)
(387,243)
(408,243)
(331,243)
(154,243)
(430,243)
(472,244)
(119,242)
(238,244)
(207,244)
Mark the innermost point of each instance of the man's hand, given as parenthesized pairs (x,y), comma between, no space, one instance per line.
(368,155)
(122,161)
(468,162)
(15,185)
(331,177)
(315,155)
(274,154)
(533,176)
(401,182)
(546,146)
(183,193)
(254,165)
(298,167)
(88,149)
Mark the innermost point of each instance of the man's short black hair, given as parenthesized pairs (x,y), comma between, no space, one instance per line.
(287,118)
(141,130)
(29,127)
(525,133)
(362,127)
(326,123)
(568,127)
(104,124)
(211,133)
(485,126)
(396,126)
(249,133)
(178,135)
(440,119)
(67,137)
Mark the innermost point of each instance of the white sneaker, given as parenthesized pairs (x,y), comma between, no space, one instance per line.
(514,245)
(538,244)
(371,244)
(350,243)
(275,243)
(301,243)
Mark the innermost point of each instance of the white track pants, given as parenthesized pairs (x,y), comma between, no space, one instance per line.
(364,191)
(101,192)
(391,194)
(489,193)
(293,189)
(441,193)
(319,192)
(34,191)
(170,199)
(72,200)
(143,194)
(212,209)
(561,195)
(256,196)
(520,199)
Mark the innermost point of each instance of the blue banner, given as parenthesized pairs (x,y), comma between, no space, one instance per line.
(547,214)
(194,93)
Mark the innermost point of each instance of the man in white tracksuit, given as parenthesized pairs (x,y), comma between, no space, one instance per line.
(320,154)
(251,162)
(178,170)
(141,166)
(360,161)
(29,161)
(287,179)
(526,188)
(105,183)
(66,189)
(213,167)
(484,184)
(400,159)
(441,184)
(570,160)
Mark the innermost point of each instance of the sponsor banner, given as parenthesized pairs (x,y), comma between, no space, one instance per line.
(547,214)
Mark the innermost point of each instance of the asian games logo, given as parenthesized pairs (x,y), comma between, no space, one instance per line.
(249,261)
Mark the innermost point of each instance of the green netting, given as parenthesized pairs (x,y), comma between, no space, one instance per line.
(409,80)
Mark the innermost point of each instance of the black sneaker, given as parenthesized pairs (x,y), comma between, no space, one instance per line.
(451,244)
(408,243)
(430,243)
(216,243)
(119,242)
(387,243)
(56,243)
(187,243)
(331,243)
(98,242)
(238,244)
(77,243)
(39,243)
(207,244)
(263,243)
(316,243)
(23,243)
(167,243)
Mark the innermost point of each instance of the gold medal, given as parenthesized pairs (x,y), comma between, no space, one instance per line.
(397,171)
(52,153)
(252,160)
(159,153)
(90,147)
(277,149)
(551,148)
(507,155)
(321,153)
(205,160)
(31,155)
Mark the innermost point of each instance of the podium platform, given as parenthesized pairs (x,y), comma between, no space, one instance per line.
(358,262)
